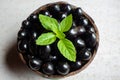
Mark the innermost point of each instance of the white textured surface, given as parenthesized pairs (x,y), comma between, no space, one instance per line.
(106,13)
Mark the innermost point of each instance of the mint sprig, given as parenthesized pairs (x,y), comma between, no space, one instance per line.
(46,38)
(56,29)
(48,23)
(67,49)
(66,23)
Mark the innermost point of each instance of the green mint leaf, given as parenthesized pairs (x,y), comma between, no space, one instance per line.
(48,23)
(60,35)
(46,38)
(67,49)
(66,23)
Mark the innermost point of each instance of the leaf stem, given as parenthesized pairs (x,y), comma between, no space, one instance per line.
(60,35)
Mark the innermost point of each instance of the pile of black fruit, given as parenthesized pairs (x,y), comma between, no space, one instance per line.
(47,60)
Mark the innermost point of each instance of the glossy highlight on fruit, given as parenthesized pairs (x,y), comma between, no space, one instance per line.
(35,64)
(63,68)
(75,65)
(48,68)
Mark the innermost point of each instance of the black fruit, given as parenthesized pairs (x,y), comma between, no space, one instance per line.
(34,34)
(85,54)
(22,46)
(66,8)
(76,65)
(82,21)
(22,34)
(48,68)
(90,39)
(45,12)
(53,58)
(35,63)
(26,24)
(78,12)
(33,18)
(79,44)
(33,48)
(62,16)
(44,52)
(76,31)
(74,24)
(92,30)
(89,28)
(54,9)
(63,68)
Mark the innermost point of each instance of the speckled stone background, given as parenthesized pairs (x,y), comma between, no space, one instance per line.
(105,66)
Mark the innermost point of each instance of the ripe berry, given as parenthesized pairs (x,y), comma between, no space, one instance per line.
(85,22)
(54,9)
(85,54)
(90,39)
(26,24)
(78,12)
(89,28)
(45,12)
(81,30)
(92,30)
(82,21)
(22,34)
(75,65)
(48,68)
(74,32)
(53,58)
(66,8)
(33,48)
(35,64)
(33,18)
(79,44)
(22,46)
(73,24)
(34,34)
(44,52)
(63,68)
(62,16)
